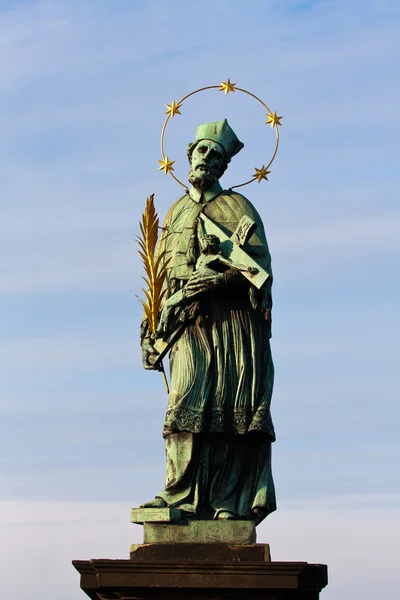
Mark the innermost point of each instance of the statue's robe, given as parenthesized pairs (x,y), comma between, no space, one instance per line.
(218,427)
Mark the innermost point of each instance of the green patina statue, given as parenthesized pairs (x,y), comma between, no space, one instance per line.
(217,312)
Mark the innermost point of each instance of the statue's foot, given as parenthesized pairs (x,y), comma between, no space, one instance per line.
(156,503)
(258,515)
(225,515)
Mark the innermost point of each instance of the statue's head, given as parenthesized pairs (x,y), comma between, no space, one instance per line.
(211,152)
(210,244)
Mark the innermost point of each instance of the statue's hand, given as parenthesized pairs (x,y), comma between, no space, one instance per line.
(164,322)
(150,355)
(202,281)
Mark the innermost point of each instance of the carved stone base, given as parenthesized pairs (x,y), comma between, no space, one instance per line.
(208,560)
(201,571)
(202,532)
(168,526)
(201,553)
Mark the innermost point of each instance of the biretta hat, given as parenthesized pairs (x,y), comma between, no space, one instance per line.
(221,133)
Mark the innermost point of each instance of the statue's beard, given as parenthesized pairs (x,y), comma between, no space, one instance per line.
(202,179)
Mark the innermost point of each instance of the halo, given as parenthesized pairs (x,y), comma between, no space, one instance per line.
(226,87)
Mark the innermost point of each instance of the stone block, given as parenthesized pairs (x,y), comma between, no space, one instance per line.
(200,553)
(155,515)
(200,532)
(128,580)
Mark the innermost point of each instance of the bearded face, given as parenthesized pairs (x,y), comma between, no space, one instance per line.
(207,164)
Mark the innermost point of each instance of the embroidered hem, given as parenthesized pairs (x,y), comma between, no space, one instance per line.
(241,422)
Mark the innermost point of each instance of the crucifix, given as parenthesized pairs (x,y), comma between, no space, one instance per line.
(218,250)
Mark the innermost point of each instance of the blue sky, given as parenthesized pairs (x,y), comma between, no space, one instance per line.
(83,86)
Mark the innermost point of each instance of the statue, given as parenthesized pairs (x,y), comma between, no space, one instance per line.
(208,304)
(218,429)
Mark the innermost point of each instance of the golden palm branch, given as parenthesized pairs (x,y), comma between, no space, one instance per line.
(155,266)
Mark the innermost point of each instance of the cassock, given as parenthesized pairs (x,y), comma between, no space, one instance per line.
(218,428)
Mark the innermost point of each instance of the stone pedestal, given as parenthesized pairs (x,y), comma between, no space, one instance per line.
(199,560)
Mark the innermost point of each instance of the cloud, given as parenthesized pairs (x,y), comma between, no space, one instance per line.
(83,88)
(60,353)
(345,235)
(340,534)
(75,105)
(96,255)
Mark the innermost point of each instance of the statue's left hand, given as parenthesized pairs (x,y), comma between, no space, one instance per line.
(165,321)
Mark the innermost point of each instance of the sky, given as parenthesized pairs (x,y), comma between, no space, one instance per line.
(83,88)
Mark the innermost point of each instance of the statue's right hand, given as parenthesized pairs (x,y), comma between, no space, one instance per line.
(150,356)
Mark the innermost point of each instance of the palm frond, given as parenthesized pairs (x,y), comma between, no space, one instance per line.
(155,266)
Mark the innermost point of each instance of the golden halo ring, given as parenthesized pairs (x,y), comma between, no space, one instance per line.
(173,109)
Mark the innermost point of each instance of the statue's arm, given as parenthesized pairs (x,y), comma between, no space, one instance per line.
(164,323)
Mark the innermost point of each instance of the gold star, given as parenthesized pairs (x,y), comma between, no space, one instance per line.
(261,174)
(273,119)
(166,165)
(173,109)
(227,86)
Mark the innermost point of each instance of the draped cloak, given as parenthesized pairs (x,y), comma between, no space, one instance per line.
(221,370)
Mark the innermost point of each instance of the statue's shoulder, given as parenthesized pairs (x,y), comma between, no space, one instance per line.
(243,202)
(229,208)
(238,204)
(176,208)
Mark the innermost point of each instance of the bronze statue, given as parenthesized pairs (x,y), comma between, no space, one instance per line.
(218,429)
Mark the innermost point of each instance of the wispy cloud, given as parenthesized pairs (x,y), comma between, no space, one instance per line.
(60,353)
(93,530)
(82,94)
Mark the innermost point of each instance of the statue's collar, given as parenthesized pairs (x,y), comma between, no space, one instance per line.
(206,196)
